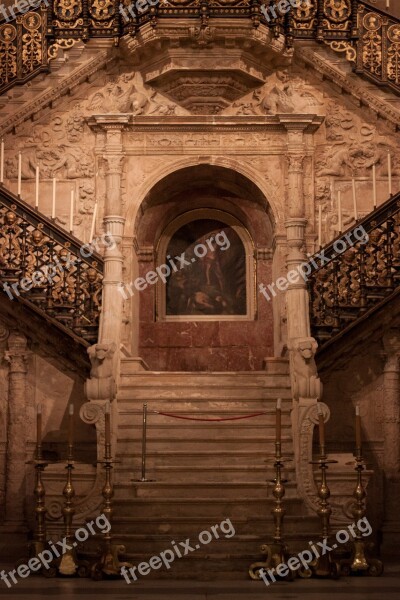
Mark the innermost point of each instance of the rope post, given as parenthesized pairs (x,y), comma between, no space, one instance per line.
(144,442)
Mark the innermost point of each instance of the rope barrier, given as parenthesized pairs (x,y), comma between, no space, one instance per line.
(216,419)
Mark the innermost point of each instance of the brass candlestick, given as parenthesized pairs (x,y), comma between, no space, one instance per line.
(108,565)
(68,563)
(277,552)
(39,542)
(324,565)
(360,561)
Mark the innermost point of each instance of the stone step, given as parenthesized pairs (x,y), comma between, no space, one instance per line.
(191,474)
(297,525)
(129,489)
(205,489)
(213,508)
(132,447)
(174,429)
(203,458)
(132,399)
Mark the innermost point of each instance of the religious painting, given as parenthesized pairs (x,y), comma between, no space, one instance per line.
(207,259)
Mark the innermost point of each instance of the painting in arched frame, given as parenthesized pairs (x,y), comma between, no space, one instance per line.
(210,272)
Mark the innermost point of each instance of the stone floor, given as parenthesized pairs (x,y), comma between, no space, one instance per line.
(386,587)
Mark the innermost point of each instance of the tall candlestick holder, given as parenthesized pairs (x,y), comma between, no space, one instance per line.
(39,541)
(324,565)
(68,563)
(276,552)
(360,560)
(109,564)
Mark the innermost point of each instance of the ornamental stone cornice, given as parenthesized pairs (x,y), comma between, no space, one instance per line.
(308,123)
(205,69)
(66,86)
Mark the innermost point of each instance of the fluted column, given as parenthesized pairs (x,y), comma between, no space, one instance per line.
(16,355)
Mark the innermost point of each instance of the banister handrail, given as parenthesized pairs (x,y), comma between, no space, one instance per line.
(368,36)
(351,282)
(49,270)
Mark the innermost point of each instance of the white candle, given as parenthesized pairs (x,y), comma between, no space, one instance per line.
(71,213)
(374,183)
(19,172)
(354,199)
(53,204)
(37,188)
(390,173)
(320,226)
(339,201)
(2,162)
(92,229)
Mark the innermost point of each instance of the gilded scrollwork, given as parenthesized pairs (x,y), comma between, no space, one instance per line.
(67,10)
(393,54)
(337,11)
(372,44)
(8,51)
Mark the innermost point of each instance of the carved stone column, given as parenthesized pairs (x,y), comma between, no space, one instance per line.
(16,356)
(110,323)
(296,295)
(391,439)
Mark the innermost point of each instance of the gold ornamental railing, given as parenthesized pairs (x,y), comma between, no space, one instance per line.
(48,270)
(368,37)
(350,284)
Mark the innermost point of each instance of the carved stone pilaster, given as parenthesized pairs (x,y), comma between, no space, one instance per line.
(391,443)
(391,414)
(16,355)
(4,333)
(295,202)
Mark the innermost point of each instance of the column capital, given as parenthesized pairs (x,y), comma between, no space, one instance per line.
(295,162)
(391,346)
(17,353)
(114,163)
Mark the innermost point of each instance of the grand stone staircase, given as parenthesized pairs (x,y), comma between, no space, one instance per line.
(202,472)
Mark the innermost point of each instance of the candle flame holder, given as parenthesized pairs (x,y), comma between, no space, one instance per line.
(360,560)
(324,565)
(276,552)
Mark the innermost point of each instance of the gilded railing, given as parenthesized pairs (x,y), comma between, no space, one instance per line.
(346,285)
(48,270)
(369,37)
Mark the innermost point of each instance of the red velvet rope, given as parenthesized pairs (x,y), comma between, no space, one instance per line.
(218,419)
